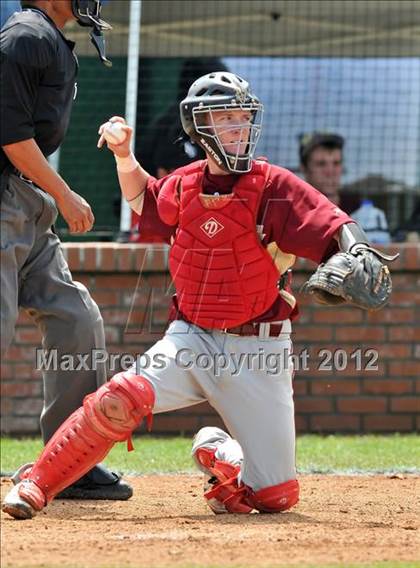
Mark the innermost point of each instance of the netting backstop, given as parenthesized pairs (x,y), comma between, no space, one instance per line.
(347,67)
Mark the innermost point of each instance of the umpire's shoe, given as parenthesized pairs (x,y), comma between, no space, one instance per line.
(98,484)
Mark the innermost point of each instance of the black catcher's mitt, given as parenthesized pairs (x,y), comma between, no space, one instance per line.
(358,278)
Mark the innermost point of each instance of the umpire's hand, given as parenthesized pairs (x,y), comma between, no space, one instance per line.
(76,212)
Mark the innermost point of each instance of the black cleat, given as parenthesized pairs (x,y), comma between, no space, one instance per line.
(98,484)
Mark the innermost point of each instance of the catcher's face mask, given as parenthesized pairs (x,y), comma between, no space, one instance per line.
(235,132)
(88,14)
(224,117)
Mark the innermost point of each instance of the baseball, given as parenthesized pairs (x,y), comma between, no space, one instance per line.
(114,133)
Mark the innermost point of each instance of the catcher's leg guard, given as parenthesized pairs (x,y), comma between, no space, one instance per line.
(276,498)
(219,456)
(109,415)
(211,449)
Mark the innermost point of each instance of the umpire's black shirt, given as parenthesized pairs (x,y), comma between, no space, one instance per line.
(37,82)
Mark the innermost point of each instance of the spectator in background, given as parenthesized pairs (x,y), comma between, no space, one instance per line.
(321,162)
(166,147)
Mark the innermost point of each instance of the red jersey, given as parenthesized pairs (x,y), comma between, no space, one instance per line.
(294,219)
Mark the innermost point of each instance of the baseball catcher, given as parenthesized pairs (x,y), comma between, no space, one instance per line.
(235,225)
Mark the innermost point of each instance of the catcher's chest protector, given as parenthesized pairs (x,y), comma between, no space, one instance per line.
(223,276)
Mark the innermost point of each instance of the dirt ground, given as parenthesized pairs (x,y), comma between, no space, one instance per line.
(339,519)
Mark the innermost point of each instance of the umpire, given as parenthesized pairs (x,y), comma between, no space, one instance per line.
(37,77)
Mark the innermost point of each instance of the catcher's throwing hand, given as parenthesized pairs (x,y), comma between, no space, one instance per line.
(358,278)
(123,148)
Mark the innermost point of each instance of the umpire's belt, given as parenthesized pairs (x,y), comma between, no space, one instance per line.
(261,330)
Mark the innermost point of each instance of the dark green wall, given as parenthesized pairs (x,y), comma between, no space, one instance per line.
(101,94)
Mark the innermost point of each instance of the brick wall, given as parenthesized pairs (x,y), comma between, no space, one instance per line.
(331,396)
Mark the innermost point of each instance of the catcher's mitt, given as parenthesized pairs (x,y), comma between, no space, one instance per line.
(358,278)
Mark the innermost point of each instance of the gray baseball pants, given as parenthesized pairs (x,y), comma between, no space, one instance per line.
(35,276)
(248,380)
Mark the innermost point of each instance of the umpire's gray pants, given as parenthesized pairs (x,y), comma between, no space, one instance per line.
(35,276)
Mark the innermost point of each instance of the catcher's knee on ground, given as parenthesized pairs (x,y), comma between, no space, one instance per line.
(228,495)
(235,497)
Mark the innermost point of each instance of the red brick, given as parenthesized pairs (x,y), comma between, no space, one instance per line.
(300,386)
(108,260)
(73,258)
(27,335)
(417,385)
(405,281)
(387,386)
(181,424)
(391,350)
(359,333)
(124,260)
(6,406)
(338,315)
(404,333)
(25,372)
(405,404)
(20,424)
(404,368)
(312,404)
(90,261)
(7,371)
(404,298)
(85,279)
(391,315)
(20,353)
(21,390)
(117,316)
(334,423)
(112,334)
(28,407)
(301,423)
(116,282)
(361,405)
(412,257)
(334,386)
(387,423)
(106,298)
(140,261)
(156,259)
(313,332)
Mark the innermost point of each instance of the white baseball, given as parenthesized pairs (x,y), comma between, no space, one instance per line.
(114,133)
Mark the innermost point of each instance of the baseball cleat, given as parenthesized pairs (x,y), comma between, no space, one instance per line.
(213,446)
(23,501)
(214,443)
(98,484)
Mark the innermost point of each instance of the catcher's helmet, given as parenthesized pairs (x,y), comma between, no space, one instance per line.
(221,91)
(88,14)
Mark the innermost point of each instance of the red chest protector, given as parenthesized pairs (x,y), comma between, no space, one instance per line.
(223,276)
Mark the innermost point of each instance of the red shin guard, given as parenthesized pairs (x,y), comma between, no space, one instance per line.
(239,498)
(226,491)
(275,498)
(108,415)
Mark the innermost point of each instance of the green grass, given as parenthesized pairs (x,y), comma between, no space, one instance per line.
(319,454)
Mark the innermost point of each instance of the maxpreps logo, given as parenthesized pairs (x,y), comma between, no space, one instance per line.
(211,227)
(210,151)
